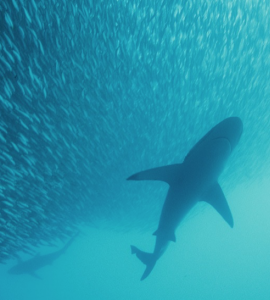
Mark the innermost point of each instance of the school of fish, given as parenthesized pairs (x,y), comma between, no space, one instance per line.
(92,90)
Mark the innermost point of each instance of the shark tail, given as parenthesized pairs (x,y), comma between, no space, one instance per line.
(147,258)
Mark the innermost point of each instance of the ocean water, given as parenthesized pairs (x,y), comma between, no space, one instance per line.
(92,92)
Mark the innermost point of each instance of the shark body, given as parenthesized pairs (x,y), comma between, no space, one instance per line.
(39,261)
(196,179)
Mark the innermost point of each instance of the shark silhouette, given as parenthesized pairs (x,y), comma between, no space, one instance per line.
(196,179)
(39,261)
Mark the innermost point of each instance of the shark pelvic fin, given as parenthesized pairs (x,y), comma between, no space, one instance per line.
(147,258)
(216,198)
(170,236)
(167,174)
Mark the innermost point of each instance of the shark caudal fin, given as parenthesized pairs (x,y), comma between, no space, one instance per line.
(147,258)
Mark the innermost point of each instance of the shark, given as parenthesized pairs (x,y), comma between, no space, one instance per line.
(193,180)
(39,261)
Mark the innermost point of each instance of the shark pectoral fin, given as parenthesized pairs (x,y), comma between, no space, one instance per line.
(166,174)
(170,236)
(34,275)
(216,198)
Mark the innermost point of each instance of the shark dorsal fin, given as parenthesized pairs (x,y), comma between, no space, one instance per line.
(168,174)
(216,198)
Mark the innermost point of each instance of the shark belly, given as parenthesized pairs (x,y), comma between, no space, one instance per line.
(176,206)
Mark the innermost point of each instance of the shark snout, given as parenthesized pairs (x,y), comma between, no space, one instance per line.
(230,129)
(235,131)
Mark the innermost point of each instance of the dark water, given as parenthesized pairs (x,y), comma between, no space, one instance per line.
(94,91)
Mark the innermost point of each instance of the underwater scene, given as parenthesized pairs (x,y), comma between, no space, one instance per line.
(134,149)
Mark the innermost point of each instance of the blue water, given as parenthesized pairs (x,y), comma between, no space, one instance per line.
(94,91)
